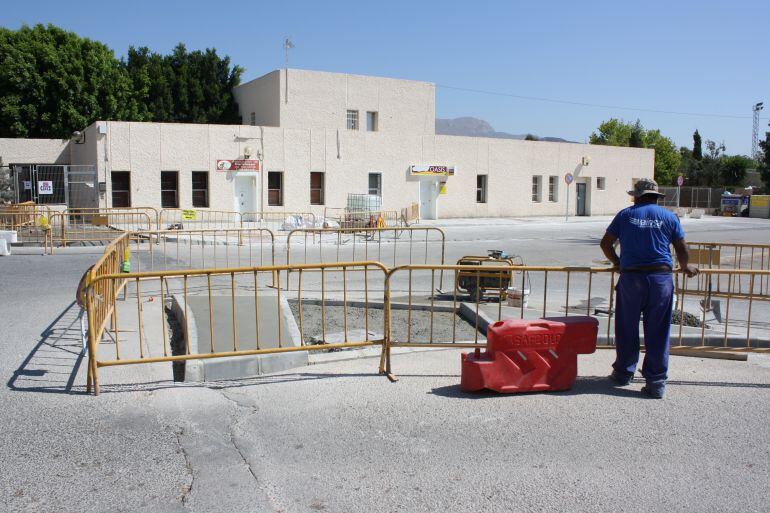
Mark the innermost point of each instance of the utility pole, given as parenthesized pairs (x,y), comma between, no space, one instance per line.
(287,45)
(755,131)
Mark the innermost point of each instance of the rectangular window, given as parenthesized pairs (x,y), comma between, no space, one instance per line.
(121,189)
(375,184)
(316,188)
(352,120)
(481,188)
(169,189)
(200,189)
(553,188)
(536,188)
(275,188)
(253,118)
(600,183)
(371,121)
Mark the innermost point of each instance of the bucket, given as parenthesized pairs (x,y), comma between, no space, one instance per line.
(516,296)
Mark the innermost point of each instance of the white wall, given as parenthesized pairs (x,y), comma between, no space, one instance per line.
(320,100)
(346,158)
(34,151)
(261,96)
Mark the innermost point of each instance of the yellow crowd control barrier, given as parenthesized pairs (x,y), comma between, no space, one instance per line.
(28,220)
(231,289)
(412,311)
(178,218)
(77,226)
(736,256)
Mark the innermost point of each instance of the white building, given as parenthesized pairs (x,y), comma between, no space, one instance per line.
(316,136)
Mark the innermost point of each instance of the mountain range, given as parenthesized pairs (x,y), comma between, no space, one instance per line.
(474,127)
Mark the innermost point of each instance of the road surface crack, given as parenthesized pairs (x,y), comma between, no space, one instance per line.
(179,433)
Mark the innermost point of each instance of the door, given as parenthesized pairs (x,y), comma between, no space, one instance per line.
(428,199)
(581,199)
(245,188)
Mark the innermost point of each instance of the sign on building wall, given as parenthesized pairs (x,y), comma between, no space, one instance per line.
(189,215)
(237,165)
(45,187)
(431,170)
(27,185)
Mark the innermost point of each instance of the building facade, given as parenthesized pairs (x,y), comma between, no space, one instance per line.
(310,138)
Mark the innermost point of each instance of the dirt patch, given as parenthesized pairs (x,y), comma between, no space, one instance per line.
(415,328)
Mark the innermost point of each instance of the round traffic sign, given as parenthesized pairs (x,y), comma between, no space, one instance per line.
(569,178)
(680,180)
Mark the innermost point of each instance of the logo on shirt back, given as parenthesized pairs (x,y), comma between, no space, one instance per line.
(646,223)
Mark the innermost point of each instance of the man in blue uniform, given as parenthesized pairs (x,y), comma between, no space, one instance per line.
(645,231)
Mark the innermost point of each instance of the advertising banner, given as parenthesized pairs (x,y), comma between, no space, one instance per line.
(431,170)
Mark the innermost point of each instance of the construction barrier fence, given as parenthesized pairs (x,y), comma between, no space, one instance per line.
(343,305)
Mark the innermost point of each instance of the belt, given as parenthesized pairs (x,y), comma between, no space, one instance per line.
(648,269)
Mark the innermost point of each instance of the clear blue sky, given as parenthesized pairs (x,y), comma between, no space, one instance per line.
(707,57)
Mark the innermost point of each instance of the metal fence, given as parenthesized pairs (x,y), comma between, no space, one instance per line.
(95,226)
(692,197)
(393,299)
(28,220)
(71,185)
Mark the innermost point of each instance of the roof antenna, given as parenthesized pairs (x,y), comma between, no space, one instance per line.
(287,45)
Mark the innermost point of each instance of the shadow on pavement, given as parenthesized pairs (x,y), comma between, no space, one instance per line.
(590,385)
(52,365)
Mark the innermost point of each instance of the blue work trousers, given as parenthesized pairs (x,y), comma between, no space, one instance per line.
(651,295)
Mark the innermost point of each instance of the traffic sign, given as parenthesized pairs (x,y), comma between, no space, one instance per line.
(569,178)
(680,180)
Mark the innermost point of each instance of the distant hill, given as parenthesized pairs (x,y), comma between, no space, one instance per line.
(474,127)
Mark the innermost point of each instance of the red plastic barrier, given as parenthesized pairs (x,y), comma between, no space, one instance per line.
(530,356)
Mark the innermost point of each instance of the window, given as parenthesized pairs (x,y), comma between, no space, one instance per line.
(481,188)
(600,183)
(275,188)
(352,120)
(121,189)
(375,184)
(253,118)
(553,188)
(200,189)
(371,121)
(316,188)
(536,188)
(169,187)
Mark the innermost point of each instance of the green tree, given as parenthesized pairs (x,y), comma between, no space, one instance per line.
(530,137)
(764,164)
(636,140)
(53,82)
(189,87)
(697,148)
(732,169)
(615,132)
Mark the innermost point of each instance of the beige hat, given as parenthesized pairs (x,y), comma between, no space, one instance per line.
(645,186)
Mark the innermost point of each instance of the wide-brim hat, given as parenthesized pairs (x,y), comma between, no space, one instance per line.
(645,187)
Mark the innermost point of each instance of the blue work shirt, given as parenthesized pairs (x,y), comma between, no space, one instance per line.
(645,233)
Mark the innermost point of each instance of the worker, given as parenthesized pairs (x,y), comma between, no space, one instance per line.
(645,231)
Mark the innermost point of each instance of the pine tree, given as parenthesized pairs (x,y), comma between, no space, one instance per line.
(697,148)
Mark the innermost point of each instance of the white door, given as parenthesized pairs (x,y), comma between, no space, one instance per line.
(428,198)
(245,194)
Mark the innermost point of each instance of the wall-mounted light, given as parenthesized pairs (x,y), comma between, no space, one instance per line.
(80,137)
(585,161)
(247,152)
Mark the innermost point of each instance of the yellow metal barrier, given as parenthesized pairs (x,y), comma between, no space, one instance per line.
(363,218)
(28,220)
(178,218)
(101,298)
(95,225)
(414,312)
(557,291)
(729,255)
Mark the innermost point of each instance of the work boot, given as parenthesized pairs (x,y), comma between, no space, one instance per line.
(653,392)
(619,379)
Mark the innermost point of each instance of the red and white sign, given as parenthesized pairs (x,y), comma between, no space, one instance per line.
(237,165)
(45,187)
(569,178)
(680,180)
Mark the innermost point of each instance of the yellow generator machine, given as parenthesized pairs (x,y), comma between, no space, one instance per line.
(489,283)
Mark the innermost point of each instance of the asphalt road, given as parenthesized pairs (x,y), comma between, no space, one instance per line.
(336,437)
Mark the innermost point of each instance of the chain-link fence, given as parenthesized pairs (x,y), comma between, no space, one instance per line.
(691,197)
